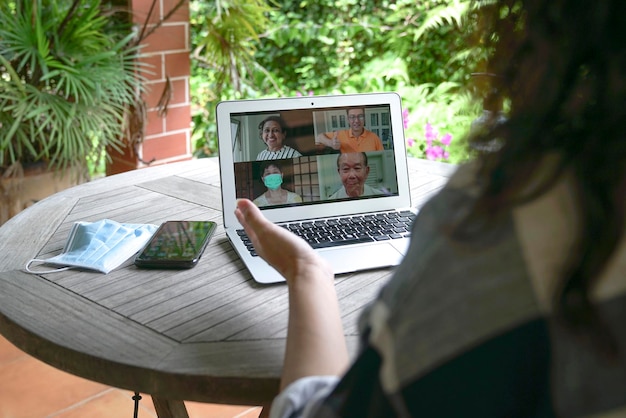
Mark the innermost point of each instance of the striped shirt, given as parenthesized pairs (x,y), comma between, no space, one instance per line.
(284,152)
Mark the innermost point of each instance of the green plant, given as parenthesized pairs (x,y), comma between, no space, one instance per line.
(444,107)
(67,79)
(424,50)
(224,41)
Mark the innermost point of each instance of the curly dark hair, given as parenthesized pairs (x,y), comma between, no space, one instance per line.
(561,66)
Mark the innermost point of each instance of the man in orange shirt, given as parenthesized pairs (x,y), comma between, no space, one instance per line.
(355,139)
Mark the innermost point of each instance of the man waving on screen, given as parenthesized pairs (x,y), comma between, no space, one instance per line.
(355,139)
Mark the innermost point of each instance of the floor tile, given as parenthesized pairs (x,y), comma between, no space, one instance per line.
(111,403)
(252,413)
(9,352)
(205,410)
(145,401)
(30,388)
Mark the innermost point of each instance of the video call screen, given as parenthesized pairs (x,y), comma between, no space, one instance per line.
(303,157)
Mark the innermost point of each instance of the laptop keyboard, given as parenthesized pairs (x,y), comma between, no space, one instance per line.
(357,229)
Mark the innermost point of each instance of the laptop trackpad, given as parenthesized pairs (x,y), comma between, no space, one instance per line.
(361,257)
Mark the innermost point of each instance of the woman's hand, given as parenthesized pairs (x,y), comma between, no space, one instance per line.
(290,255)
(315,340)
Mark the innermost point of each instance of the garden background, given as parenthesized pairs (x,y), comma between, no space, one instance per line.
(423,49)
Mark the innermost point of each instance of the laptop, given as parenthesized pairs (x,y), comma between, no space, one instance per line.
(295,158)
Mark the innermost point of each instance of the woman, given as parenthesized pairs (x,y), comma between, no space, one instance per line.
(510,301)
(272,178)
(273,131)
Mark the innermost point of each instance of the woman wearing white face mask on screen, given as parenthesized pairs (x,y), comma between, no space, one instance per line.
(275,195)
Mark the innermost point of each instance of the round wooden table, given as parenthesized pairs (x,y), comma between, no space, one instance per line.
(208,334)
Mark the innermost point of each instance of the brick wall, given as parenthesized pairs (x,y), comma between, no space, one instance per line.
(167,53)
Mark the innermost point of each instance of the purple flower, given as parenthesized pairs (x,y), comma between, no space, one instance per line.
(446,139)
(436,146)
(405,118)
(410,142)
(431,134)
(434,152)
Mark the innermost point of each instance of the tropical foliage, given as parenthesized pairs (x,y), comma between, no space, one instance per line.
(67,78)
(225,37)
(423,50)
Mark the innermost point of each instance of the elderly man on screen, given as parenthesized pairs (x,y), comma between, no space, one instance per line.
(353,170)
(355,139)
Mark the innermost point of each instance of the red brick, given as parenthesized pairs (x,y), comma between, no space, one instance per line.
(153,94)
(153,70)
(165,147)
(167,38)
(180,92)
(178,118)
(141,8)
(154,91)
(154,123)
(177,64)
(180,15)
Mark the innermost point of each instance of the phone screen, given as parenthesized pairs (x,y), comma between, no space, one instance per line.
(176,244)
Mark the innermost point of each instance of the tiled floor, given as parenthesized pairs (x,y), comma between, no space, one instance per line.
(32,389)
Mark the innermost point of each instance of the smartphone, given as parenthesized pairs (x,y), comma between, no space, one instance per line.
(176,245)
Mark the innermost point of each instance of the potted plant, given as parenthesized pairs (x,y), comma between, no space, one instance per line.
(68,77)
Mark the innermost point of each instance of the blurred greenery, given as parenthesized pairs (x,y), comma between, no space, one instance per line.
(68,75)
(424,50)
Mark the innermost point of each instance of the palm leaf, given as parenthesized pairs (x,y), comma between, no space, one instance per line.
(452,13)
(67,83)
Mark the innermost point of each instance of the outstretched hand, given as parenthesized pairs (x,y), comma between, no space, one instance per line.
(315,339)
(291,256)
(335,143)
(324,140)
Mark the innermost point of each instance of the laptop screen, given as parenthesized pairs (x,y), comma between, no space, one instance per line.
(307,157)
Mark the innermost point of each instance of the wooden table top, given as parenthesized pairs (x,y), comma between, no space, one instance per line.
(208,334)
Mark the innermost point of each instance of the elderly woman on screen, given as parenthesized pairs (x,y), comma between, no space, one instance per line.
(273,131)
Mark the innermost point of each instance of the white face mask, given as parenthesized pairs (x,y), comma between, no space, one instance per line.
(101,246)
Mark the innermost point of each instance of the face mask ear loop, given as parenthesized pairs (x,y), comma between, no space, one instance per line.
(27,267)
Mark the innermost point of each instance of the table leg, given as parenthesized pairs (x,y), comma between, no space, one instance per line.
(169,409)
